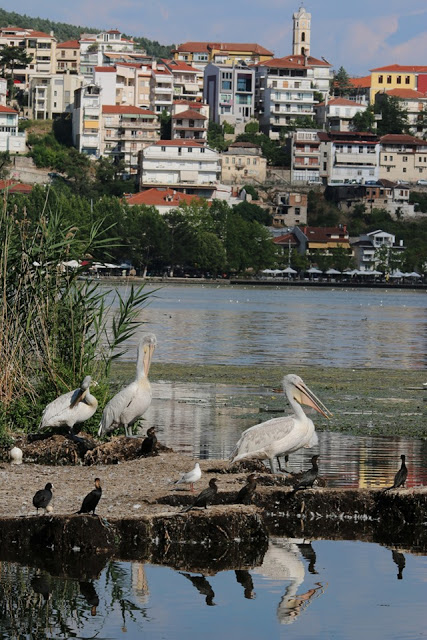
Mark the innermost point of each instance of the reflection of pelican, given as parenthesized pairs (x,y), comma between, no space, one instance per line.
(202,586)
(400,477)
(285,434)
(399,559)
(88,591)
(71,408)
(41,583)
(129,404)
(283,562)
(244,578)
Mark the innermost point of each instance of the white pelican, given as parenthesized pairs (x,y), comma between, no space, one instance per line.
(129,404)
(71,408)
(283,435)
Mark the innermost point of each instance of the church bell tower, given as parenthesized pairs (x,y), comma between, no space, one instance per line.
(301,33)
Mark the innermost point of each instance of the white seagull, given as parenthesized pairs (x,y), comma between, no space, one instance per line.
(191,476)
(71,408)
(283,435)
(129,404)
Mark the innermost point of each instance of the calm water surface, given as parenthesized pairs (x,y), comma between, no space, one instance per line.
(322,589)
(235,325)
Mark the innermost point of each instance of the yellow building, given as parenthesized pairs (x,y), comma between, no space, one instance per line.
(395,76)
(199,54)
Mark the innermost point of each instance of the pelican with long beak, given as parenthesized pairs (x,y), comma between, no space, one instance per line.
(284,435)
(129,404)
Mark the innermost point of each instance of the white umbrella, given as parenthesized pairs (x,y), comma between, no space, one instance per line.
(397,274)
(73,264)
(314,270)
(413,274)
(267,271)
(332,272)
(276,272)
(289,270)
(350,272)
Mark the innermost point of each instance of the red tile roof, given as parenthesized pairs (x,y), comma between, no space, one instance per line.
(180,65)
(39,34)
(191,103)
(285,238)
(402,68)
(190,114)
(406,93)
(161,197)
(361,83)
(15,187)
(341,102)
(120,108)
(4,109)
(324,234)
(69,44)
(105,69)
(311,62)
(198,47)
(402,138)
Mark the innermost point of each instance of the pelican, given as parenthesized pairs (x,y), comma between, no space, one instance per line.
(283,435)
(129,404)
(71,408)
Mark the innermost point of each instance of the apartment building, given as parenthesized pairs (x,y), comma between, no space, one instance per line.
(290,209)
(373,249)
(396,76)
(384,194)
(125,131)
(336,114)
(50,95)
(304,145)
(349,157)
(10,138)
(322,240)
(403,158)
(199,54)
(96,49)
(68,57)
(161,88)
(184,165)
(284,91)
(414,103)
(229,91)
(243,163)
(41,46)
(187,80)
(87,120)
(190,121)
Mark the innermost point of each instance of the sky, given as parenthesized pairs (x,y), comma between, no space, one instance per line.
(356,35)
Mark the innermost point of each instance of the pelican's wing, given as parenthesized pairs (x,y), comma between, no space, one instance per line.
(255,440)
(115,407)
(59,411)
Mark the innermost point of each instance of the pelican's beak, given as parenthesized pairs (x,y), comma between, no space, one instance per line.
(307,397)
(148,356)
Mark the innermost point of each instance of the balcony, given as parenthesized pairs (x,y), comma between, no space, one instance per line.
(163,89)
(151,126)
(356,158)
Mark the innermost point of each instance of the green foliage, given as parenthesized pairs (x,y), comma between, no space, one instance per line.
(394,119)
(250,211)
(320,212)
(420,198)
(341,82)
(153,48)
(5,162)
(165,125)
(250,189)
(216,137)
(228,128)
(273,150)
(252,127)
(364,120)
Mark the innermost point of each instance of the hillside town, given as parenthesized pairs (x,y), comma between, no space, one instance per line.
(202,124)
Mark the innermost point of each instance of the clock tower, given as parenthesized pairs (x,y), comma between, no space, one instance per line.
(301,32)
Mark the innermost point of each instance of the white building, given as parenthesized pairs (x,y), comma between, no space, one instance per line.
(305,156)
(186,165)
(40,46)
(190,120)
(336,114)
(10,138)
(187,80)
(161,88)
(376,248)
(50,95)
(86,120)
(230,92)
(349,157)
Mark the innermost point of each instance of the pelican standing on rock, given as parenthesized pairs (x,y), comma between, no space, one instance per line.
(129,404)
(284,435)
(71,408)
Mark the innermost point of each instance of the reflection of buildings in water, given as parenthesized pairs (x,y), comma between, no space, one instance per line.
(139,582)
(283,561)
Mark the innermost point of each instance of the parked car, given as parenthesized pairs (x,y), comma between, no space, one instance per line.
(422,182)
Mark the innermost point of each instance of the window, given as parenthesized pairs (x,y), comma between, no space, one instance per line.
(404,169)
(179,151)
(227,161)
(388,79)
(226,85)
(380,79)
(385,158)
(391,158)
(303,37)
(233,160)
(407,79)
(248,161)
(190,150)
(399,79)
(255,161)
(163,148)
(405,158)
(202,150)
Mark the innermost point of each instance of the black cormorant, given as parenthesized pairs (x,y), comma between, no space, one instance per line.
(205,497)
(90,502)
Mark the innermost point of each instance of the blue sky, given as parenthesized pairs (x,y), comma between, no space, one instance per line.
(359,36)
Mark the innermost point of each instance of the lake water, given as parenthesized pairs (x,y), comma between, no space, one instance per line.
(217,324)
(301,589)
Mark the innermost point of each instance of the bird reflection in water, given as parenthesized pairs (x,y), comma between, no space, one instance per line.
(244,578)
(284,561)
(41,584)
(88,592)
(203,586)
(400,561)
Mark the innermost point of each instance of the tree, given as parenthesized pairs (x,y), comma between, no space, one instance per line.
(4,164)
(252,127)
(341,82)
(165,125)
(250,212)
(10,57)
(394,119)
(216,137)
(364,120)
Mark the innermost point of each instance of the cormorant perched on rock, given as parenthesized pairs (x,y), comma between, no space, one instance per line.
(246,493)
(308,477)
(205,497)
(42,497)
(400,477)
(90,502)
(149,443)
